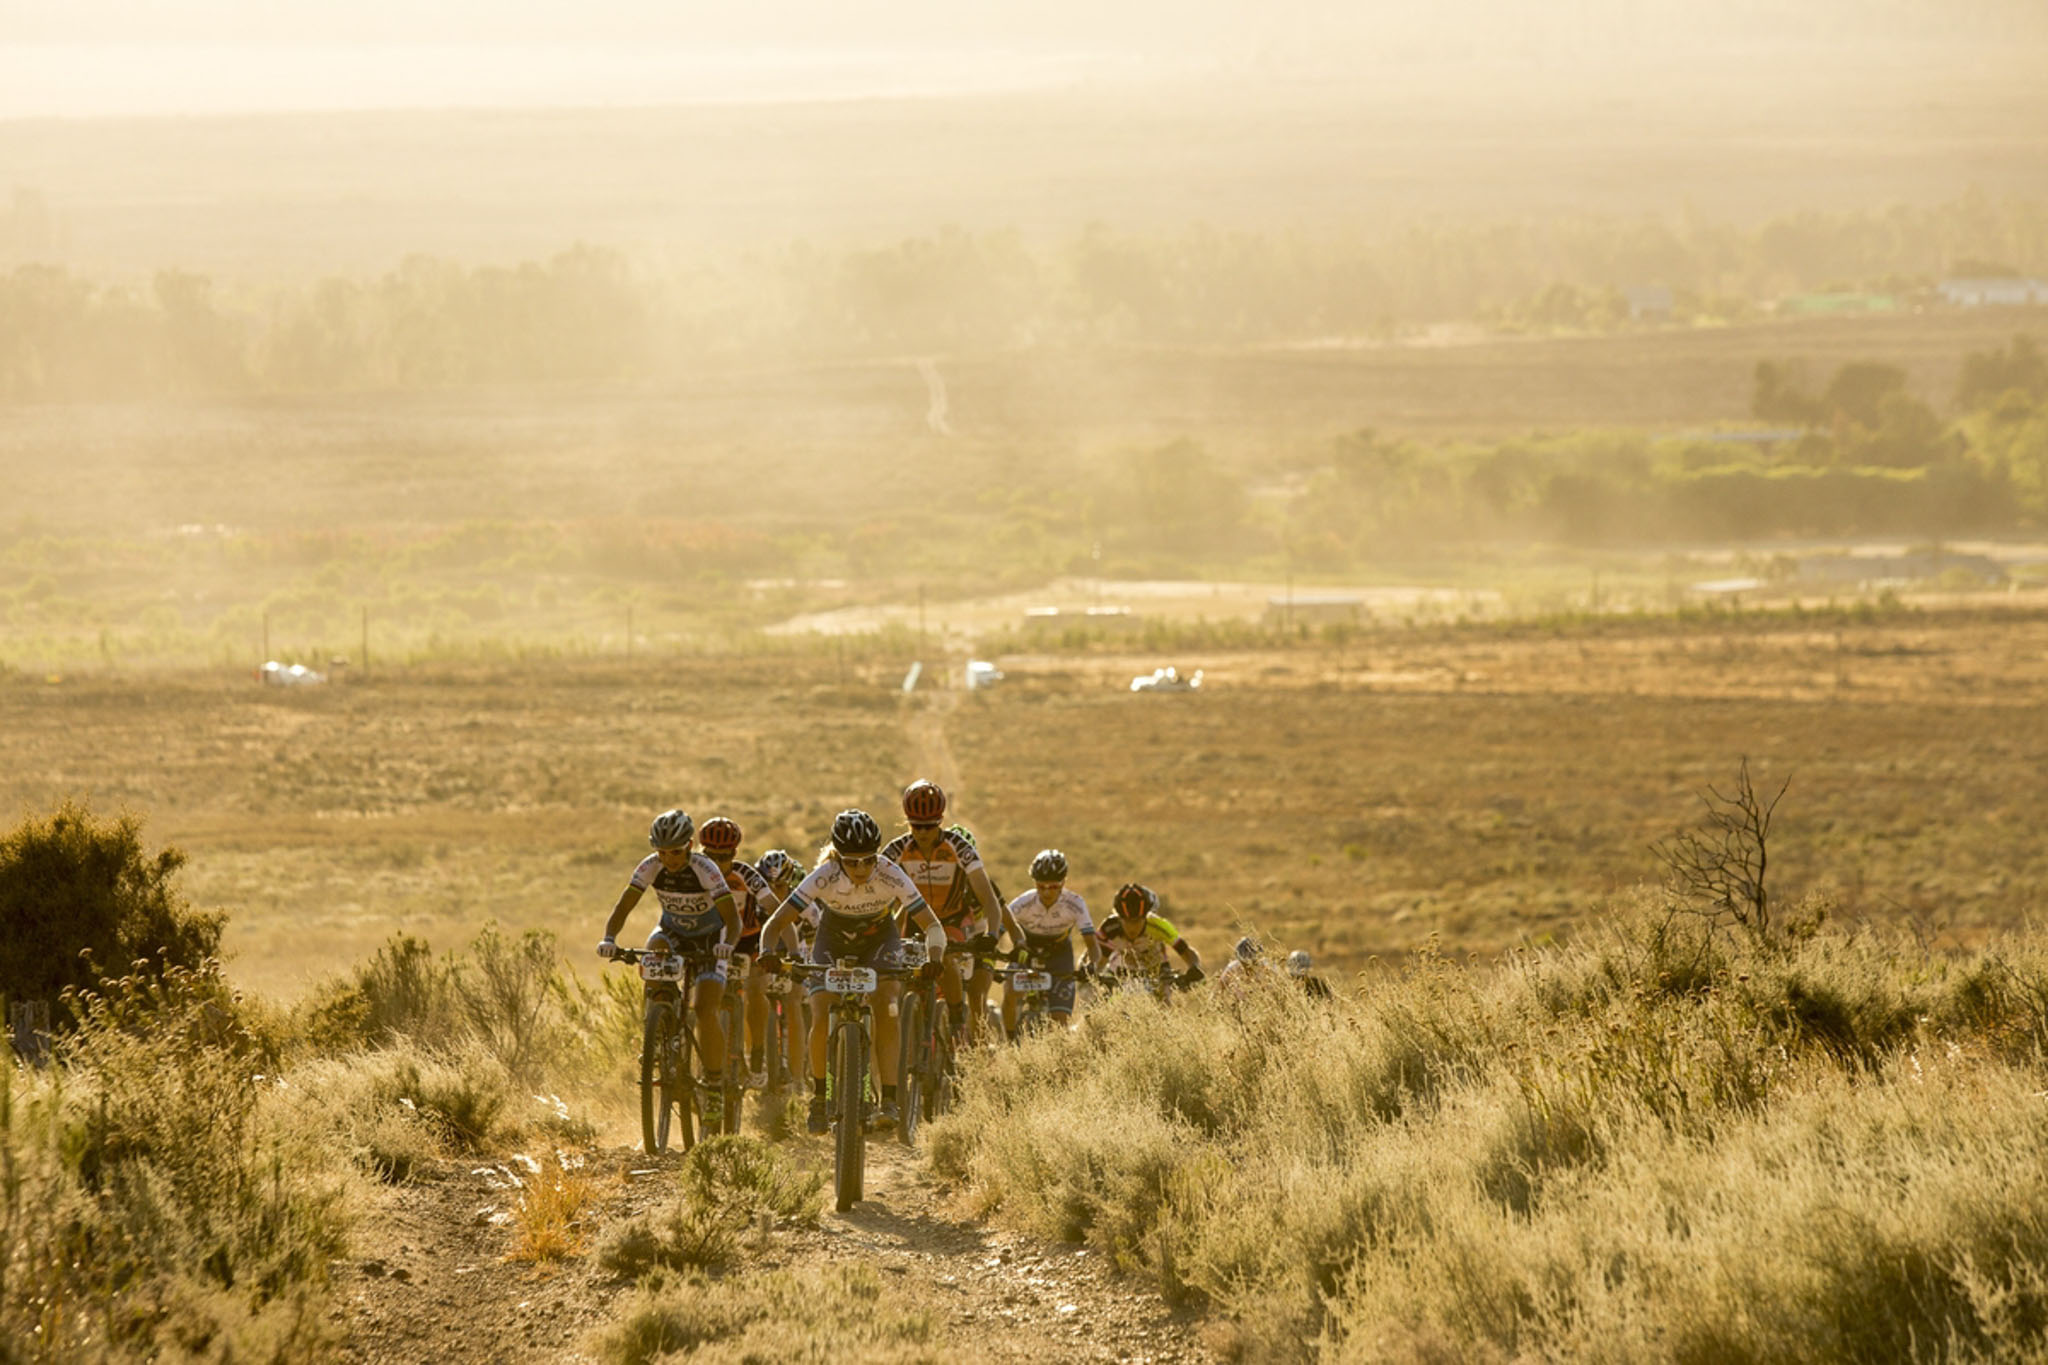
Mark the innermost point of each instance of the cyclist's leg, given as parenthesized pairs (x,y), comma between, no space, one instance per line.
(977,999)
(757,1018)
(710,1032)
(886,1025)
(1060,1000)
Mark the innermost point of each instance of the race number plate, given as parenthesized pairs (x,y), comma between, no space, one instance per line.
(850,980)
(665,967)
(913,952)
(776,985)
(1024,983)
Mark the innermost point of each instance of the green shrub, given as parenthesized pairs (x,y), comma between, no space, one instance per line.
(81,899)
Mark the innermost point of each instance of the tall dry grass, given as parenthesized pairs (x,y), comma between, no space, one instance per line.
(1652,1144)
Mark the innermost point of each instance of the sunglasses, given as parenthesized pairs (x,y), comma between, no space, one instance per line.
(848,860)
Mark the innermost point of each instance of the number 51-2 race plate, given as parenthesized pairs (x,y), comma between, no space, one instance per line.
(1023,983)
(850,980)
(665,967)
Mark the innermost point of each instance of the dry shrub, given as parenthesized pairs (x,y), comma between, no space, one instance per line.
(547,1218)
(156,1202)
(836,1312)
(1651,1144)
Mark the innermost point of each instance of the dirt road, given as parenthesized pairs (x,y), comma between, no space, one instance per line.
(431,1282)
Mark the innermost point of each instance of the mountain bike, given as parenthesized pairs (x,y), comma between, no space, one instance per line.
(1027,979)
(851,1044)
(671,1060)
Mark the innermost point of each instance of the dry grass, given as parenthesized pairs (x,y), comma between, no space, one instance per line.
(1482,784)
(1647,1146)
(548,1218)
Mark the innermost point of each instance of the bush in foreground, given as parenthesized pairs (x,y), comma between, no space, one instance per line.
(81,898)
(1653,1144)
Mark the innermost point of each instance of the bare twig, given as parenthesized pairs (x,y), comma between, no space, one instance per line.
(1724,861)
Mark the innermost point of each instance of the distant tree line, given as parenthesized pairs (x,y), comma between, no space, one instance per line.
(1860,455)
(591,315)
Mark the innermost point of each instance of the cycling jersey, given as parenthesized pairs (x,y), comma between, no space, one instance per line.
(751,894)
(887,892)
(941,875)
(689,895)
(1147,954)
(1043,923)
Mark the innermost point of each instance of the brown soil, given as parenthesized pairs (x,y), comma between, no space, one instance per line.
(431,1281)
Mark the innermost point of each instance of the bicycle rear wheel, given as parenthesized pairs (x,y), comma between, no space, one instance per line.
(849,1147)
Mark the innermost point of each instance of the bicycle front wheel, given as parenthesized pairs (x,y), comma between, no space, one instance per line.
(732,1019)
(663,1079)
(849,1149)
(912,1059)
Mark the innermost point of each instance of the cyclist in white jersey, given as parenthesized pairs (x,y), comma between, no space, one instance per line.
(859,896)
(1042,922)
(697,917)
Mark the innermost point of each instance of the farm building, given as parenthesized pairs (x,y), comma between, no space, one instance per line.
(1993,291)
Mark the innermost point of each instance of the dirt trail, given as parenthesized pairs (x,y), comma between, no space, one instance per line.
(431,1283)
(930,754)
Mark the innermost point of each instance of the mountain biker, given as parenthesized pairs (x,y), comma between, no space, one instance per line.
(1247,965)
(860,897)
(755,899)
(950,877)
(1137,936)
(1042,922)
(698,917)
(1301,969)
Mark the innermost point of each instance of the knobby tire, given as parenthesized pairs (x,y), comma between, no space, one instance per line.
(914,1030)
(849,1148)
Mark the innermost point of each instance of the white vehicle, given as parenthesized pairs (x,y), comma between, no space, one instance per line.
(1166,679)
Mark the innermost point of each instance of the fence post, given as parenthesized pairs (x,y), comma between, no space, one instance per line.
(28,1028)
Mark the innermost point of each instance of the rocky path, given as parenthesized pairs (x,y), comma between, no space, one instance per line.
(431,1281)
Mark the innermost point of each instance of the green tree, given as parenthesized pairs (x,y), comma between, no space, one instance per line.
(1989,375)
(81,898)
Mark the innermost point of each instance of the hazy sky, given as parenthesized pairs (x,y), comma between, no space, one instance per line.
(167,56)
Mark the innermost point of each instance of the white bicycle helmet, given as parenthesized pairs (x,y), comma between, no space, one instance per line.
(671,829)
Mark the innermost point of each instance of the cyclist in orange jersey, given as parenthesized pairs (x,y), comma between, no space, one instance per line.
(948,873)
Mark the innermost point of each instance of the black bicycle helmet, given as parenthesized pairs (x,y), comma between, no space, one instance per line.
(671,829)
(1134,902)
(855,832)
(1049,866)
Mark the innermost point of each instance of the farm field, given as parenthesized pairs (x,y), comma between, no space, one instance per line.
(1480,785)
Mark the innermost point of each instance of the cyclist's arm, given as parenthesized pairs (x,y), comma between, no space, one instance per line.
(991,905)
(730,913)
(781,926)
(628,898)
(927,919)
(1187,952)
